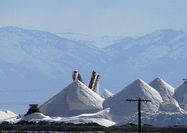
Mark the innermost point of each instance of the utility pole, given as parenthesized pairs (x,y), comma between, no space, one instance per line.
(139,100)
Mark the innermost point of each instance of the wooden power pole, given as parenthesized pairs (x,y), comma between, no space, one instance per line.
(139,100)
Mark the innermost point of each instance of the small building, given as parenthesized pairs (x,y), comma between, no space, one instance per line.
(33,109)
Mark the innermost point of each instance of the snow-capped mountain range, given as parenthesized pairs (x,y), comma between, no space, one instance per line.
(92,40)
(35,65)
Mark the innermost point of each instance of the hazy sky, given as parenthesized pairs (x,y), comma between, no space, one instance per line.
(95,17)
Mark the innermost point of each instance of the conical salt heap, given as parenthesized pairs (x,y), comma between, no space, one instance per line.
(166,91)
(171,106)
(6,115)
(73,100)
(120,108)
(181,95)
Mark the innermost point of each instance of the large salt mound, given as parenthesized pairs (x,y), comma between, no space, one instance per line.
(36,117)
(7,115)
(106,94)
(166,91)
(100,121)
(102,118)
(181,95)
(120,108)
(170,106)
(157,119)
(73,100)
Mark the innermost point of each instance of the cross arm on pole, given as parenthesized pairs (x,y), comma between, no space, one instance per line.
(131,100)
(139,99)
(144,100)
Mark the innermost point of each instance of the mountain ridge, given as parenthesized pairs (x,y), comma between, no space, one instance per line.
(39,60)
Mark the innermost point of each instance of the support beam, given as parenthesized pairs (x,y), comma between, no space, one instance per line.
(91,84)
(96,83)
(80,78)
(75,75)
